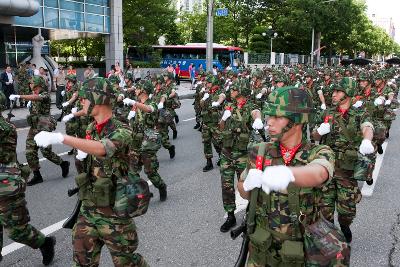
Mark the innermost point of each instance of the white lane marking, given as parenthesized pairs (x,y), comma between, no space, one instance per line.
(367,190)
(190,119)
(46,231)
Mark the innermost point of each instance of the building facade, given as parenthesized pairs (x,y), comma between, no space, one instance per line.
(386,24)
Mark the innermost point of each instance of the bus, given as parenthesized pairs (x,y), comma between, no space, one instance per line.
(195,53)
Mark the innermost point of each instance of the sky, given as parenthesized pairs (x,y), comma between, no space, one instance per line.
(386,8)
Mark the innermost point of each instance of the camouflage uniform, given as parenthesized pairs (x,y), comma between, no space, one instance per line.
(344,138)
(276,221)
(71,127)
(14,215)
(39,119)
(97,222)
(146,143)
(23,82)
(171,103)
(197,97)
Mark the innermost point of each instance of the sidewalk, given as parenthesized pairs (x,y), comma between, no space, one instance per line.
(20,114)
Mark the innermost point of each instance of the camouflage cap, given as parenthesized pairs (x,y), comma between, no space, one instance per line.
(380,75)
(148,87)
(280,77)
(168,74)
(99,91)
(348,85)
(39,81)
(3,101)
(211,79)
(114,79)
(159,79)
(258,74)
(290,102)
(364,76)
(71,77)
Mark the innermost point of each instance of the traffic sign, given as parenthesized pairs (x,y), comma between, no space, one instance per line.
(221,12)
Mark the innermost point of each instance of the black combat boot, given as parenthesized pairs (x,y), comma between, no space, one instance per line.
(387,134)
(47,250)
(229,223)
(380,149)
(200,128)
(64,168)
(370,182)
(176,119)
(209,166)
(174,134)
(347,232)
(219,162)
(71,152)
(37,178)
(171,151)
(197,126)
(163,192)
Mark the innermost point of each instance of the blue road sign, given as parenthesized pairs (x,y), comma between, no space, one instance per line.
(221,12)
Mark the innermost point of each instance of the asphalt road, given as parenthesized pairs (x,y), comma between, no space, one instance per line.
(184,230)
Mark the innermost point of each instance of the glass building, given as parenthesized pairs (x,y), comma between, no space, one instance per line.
(57,19)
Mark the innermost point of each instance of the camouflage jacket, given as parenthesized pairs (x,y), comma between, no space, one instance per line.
(145,120)
(41,107)
(327,92)
(376,112)
(211,115)
(8,142)
(272,211)
(23,81)
(69,92)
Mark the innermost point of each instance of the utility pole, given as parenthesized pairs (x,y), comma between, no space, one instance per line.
(210,32)
(312,47)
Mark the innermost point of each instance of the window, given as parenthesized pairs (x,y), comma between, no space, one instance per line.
(71,20)
(34,21)
(94,23)
(71,6)
(94,9)
(51,3)
(51,18)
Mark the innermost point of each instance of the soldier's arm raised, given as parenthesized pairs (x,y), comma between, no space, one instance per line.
(31,97)
(92,147)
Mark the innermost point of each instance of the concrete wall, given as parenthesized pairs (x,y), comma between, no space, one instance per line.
(114,41)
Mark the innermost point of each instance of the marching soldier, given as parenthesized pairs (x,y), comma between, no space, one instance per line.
(237,123)
(14,214)
(347,130)
(200,88)
(146,139)
(106,145)
(283,178)
(39,119)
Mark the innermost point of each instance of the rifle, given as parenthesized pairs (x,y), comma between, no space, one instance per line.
(10,114)
(71,220)
(248,225)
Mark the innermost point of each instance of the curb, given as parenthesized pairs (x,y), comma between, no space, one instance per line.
(22,123)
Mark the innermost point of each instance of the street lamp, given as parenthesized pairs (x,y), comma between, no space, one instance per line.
(272,34)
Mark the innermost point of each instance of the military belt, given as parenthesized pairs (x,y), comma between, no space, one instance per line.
(11,168)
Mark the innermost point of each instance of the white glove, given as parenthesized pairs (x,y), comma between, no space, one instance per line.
(74,110)
(203,90)
(63,92)
(215,104)
(276,178)
(206,96)
(81,155)
(258,124)
(259,95)
(129,102)
(65,104)
(160,105)
(358,104)
(323,106)
(131,114)
(29,105)
(14,97)
(366,147)
(319,92)
(68,117)
(125,89)
(272,88)
(150,96)
(377,101)
(324,128)
(387,102)
(44,139)
(121,95)
(226,115)
(253,180)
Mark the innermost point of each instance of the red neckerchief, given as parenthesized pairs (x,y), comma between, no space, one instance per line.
(288,153)
(88,135)
(367,92)
(241,103)
(343,112)
(214,89)
(100,126)
(380,90)
(229,108)
(68,88)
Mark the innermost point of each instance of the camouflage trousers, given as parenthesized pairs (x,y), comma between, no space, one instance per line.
(343,194)
(93,229)
(197,110)
(71,127)
(14,217)
(32,151)
(163,131)
(149,161)
(211,135)
(380,129)
(232,162)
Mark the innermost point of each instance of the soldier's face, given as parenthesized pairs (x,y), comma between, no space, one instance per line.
(337,96)
(234,93)
(276,124)
(280,84)
(363,84)
(308,79)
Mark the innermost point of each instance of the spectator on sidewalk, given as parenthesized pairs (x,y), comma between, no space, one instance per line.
(137,74)
(7,81)
(71,70)
(192,77)
(60,82)
(36,72)
(178,74)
